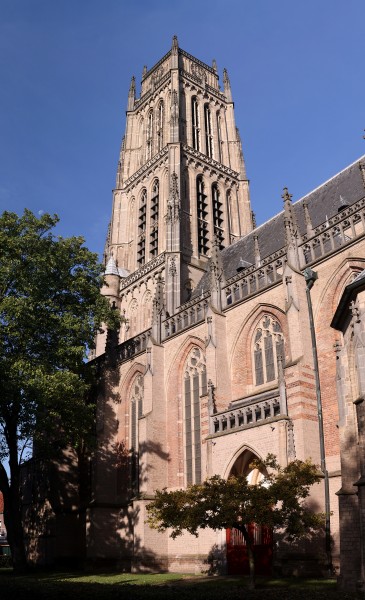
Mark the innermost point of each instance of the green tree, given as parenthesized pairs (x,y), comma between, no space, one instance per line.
(277,501)
(50,309)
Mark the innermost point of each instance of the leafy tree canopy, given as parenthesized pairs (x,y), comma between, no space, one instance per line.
(50,310)
(276,501)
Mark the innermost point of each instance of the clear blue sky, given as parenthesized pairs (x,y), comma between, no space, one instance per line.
(297,72)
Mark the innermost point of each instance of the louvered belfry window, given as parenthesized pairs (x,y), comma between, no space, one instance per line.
(154,219)
(217,216)
(268,347)
(142,220)
(202,215)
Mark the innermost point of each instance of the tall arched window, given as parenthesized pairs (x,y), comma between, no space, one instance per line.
(195,123)
(149,136)
(268,347)
(142,216)
(136,411)
(219,136)
(202,216)
(159,128)
(195,385)
(154,219)
(208,131)
(229,215)
(217,215)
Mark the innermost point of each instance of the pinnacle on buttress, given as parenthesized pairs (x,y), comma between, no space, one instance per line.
(289,214)
(257,250)
(158,308)
(214,65)
(144,72)
(227,86)
(175,45)
(132,94)
(307,218)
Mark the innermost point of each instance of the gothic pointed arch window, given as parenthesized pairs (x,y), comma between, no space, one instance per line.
(136,411)
(208,131)
(217,207)
(229,215)
(219,136)
(149,136)
(154,219)
(142,222)
(268,349)
(202,216)
(195,385)
(195,122)
(159,125)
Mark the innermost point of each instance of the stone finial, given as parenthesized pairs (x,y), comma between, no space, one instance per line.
(286,197)
(253,217)
(132,94)
(227,86)
(257,250)
(158,308)
(289,214)
(307,218)
(175,45)
(214,65)
(217,279)
(144,72)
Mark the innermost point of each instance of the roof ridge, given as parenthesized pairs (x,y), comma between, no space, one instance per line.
(308,194)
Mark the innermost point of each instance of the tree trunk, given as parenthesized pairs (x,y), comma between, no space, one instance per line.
(13,515)
(251,556)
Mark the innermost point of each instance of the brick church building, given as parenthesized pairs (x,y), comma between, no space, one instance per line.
(213,363)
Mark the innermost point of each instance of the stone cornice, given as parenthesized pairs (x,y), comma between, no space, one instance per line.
(156,90)
(198,62)
(210,162)
(204,86)
(148,166)
(142,271)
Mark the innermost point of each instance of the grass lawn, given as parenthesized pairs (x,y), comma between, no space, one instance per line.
(168,586)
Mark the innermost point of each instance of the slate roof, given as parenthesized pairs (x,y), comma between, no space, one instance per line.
(324,202)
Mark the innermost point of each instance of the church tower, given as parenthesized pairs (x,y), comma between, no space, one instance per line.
(181,187)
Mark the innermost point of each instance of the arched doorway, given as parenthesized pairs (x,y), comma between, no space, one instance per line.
(261,536)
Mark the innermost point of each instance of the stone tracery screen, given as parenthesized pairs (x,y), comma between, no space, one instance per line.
(195,384)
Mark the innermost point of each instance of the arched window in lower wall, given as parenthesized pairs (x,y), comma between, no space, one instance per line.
(195,384)
(136,411)
(268,347)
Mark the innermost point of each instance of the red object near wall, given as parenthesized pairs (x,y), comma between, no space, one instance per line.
(237,555)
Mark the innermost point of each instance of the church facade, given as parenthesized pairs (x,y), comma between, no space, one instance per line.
(213,362)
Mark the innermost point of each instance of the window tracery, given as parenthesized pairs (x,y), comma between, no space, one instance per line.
(195,123)
(208,131)
(159,132)
(195,384)
(136,411)
(268,347)
(149,136)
